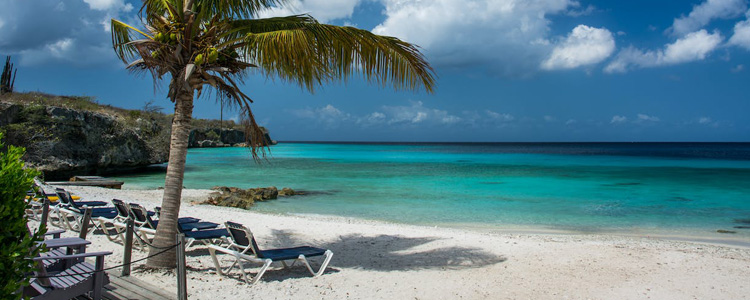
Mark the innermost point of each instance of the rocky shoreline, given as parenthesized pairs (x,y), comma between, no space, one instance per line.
(67,136)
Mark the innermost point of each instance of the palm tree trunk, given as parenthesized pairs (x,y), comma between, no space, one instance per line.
(170,205)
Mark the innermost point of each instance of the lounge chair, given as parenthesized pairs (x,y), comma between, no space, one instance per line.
(147,228)
(242,242)
(143,219)
(71,209)
(67,199)
(157,210)
(52,196)
(114,227)
(79,279)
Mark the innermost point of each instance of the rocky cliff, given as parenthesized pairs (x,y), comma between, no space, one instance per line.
(61,141)
(85,138)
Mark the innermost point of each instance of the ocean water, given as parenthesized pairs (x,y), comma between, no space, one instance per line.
(587,187)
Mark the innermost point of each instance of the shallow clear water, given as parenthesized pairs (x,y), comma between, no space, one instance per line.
(581,187)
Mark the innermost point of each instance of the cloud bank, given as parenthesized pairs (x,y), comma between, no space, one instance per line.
(71,32)
(507,37)
(704,13)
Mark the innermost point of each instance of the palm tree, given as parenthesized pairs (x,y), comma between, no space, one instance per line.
(215,43)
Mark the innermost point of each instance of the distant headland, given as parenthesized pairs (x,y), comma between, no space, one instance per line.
(70,135)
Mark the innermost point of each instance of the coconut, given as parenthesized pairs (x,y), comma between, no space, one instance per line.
(199,59)
(212,55)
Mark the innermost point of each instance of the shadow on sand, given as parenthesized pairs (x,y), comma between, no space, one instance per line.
(394,253)
(379,253)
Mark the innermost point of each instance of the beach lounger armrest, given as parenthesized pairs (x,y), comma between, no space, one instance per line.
(253,258)
(73,256)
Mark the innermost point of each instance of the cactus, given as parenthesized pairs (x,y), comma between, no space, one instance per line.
(8,78)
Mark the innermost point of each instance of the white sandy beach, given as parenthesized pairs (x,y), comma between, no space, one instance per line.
(393,261)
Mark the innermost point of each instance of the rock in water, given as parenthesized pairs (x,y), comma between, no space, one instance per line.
(286,192)
(241,198)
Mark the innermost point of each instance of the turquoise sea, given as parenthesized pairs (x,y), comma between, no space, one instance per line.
(639,188)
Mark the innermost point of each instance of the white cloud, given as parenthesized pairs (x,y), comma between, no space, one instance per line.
(109,5)
(646,118)
(59,48)
(418,113)
(550,119)
(618,119)
(506,37)
(499,116)
(584,46)
(704,13)
(694,46)
(322,10)
(570,122)
(741,36)
(328,115)
(706,121)
(738,68)
(577,10)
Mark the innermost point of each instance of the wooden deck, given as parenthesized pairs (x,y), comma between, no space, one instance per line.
(90,181)
(127,288)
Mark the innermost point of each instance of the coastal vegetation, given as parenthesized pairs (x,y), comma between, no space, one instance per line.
(75,135)
(18,245)
(202,43)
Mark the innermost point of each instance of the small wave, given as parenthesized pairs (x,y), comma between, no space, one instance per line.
(622,184)
(680,199)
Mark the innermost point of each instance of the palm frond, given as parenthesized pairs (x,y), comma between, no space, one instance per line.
(245,26)
(171,8)
(122,36)
(318,53)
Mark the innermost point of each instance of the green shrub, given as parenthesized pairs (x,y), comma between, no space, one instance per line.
(211,135)
(135,114)
(16,246)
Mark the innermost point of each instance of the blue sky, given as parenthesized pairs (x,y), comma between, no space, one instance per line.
(509,70)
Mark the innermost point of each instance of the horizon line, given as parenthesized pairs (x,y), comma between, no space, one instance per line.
(538,142)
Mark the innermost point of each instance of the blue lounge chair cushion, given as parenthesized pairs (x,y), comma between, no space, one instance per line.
(104,212)
(291,253)
(207,234)
(90,203)
(187,220)
(194,225)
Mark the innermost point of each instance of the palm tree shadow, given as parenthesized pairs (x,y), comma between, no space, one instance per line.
(393,253)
